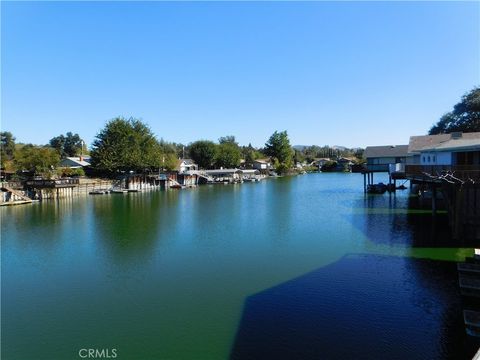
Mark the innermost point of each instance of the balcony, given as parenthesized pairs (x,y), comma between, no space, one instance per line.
(423,172)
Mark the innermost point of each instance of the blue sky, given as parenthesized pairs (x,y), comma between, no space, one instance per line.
(337,73)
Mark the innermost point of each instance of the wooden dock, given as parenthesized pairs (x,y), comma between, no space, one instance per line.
(15,202)
(14,197)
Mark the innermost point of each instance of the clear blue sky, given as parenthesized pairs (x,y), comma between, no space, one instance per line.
(336,73)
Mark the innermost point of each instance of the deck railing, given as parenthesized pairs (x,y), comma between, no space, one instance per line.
(53,183)
(463,172)
(377,167)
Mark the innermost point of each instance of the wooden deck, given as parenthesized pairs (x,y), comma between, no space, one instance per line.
(16,202)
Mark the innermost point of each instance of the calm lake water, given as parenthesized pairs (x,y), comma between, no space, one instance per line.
(303,267)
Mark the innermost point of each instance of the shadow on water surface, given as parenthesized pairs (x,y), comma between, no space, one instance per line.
(402,220)
(361,307)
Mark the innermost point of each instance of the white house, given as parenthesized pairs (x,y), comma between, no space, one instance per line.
(262,164)
(184,165)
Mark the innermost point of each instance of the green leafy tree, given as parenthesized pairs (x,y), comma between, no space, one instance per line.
(298,156)
(7,147)
(40,160)
(170,155)
(67,145)
(204,153)
(250,154)
(329,166)
(278,147)
(169,161)
(228,155)
(58,143)
(230,139)
(465,116)
(126,145)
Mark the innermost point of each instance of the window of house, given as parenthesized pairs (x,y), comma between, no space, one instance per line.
(428,158)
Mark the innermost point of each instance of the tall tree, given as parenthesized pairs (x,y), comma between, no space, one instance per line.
(278,147)
(67,145)
(7,147)
(465,116)
(250,154)
(204,153)
(37,159)
(126,145)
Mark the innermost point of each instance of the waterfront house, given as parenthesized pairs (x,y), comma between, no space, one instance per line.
(445,149)
(379,158)
(320,162)
(434,154)
(344,164)
(450,164)
(262,164)
(75,162)
(184,165)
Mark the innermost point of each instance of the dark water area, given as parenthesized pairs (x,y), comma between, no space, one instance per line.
(361,307)
(207,273)
(404,219)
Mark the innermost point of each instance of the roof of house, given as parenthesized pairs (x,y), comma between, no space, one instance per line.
(386,151)
(77,160)
(250,171)
(262,161)
(345,159)
(222,171)
(443,141)
(186,161)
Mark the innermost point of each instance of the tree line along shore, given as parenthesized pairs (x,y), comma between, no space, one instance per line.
(129,145)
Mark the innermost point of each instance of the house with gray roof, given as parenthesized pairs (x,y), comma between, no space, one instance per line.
(75,162)
(380,157)
(445,149)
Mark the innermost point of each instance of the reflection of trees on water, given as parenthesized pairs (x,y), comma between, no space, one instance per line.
(49,221)
(131,224)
